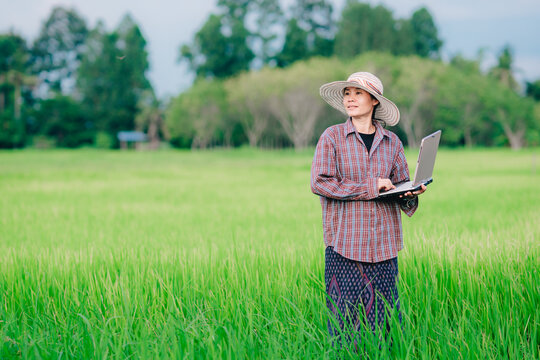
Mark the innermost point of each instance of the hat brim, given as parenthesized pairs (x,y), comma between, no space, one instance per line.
(332,93)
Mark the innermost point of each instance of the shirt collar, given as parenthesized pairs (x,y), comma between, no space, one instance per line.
(349,128)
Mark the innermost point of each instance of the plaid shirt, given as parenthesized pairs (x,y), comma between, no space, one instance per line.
(345,176)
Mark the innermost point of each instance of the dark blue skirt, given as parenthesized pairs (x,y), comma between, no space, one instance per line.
(360,294)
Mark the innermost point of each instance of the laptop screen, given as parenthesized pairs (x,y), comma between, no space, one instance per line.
(426,158)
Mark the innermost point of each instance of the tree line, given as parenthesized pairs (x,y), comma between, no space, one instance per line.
(281,107)
(73,86)
(278,105)
(258,69)
(246,34)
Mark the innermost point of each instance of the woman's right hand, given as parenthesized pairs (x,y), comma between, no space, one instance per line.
(384,185)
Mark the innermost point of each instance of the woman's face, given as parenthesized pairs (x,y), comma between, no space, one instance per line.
(358,102)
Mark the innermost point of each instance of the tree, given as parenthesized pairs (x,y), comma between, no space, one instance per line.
(425,34)
(19,80)
(179,117)
(503,71)
(214,54)
(353,35)
(206,55)
(248,97)
(513,113)
(234,9)
(295,46)
(414,89)
(363,28)
(533,90)
(383,29)
(315,18)
(269,20)
(58,48)
(112,76)
(13,60)
(297,110)
(198,117)
(294,99)
(151,119)
(404,38)
(14,79)
(63,119)
(461,110)
(94,81)
(466,65)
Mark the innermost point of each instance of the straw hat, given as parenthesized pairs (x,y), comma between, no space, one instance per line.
(332,93)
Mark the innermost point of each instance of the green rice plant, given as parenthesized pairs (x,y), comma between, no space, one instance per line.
(219,254)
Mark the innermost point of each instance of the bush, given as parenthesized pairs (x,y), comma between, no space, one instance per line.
(104,140)
(42,142)
(63,119)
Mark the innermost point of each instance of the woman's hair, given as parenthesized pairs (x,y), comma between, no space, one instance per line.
(382,122)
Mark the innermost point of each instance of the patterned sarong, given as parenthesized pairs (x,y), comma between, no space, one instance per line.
(360,293)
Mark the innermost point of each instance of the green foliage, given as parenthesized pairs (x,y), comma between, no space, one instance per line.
(41,142)
(514,114)
(13,53)
(363,28)
(12,132)
(269,20)
(425,34)
(112,76)
(404,38)
(214,54)
(225,45)
(151,119)
(467,66)
(533,137)
(463,111)
(65,121)
(314,17)
(267,108)
(295,47)
(248,96)
(533,89)
(382,29)
(104,140)
(57,50)
(274,106)
(230,40)
(353,33)
(282,103)
(234,9)
(14,84)
(199,118)
(502,72)
(295,101)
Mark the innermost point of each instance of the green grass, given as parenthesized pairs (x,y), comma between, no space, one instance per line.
(219,254)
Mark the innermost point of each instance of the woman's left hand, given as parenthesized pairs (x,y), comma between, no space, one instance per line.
(414,193)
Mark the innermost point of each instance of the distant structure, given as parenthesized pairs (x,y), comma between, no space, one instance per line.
(134,137)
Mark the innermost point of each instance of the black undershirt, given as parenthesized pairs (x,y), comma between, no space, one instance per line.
(368,140)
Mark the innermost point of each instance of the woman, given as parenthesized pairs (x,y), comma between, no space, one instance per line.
(353,162)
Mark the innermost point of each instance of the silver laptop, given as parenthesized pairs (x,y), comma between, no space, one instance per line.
(424,167)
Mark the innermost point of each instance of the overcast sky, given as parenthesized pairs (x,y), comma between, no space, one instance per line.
(465,26)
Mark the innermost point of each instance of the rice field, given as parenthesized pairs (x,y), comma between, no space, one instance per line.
(219,254)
